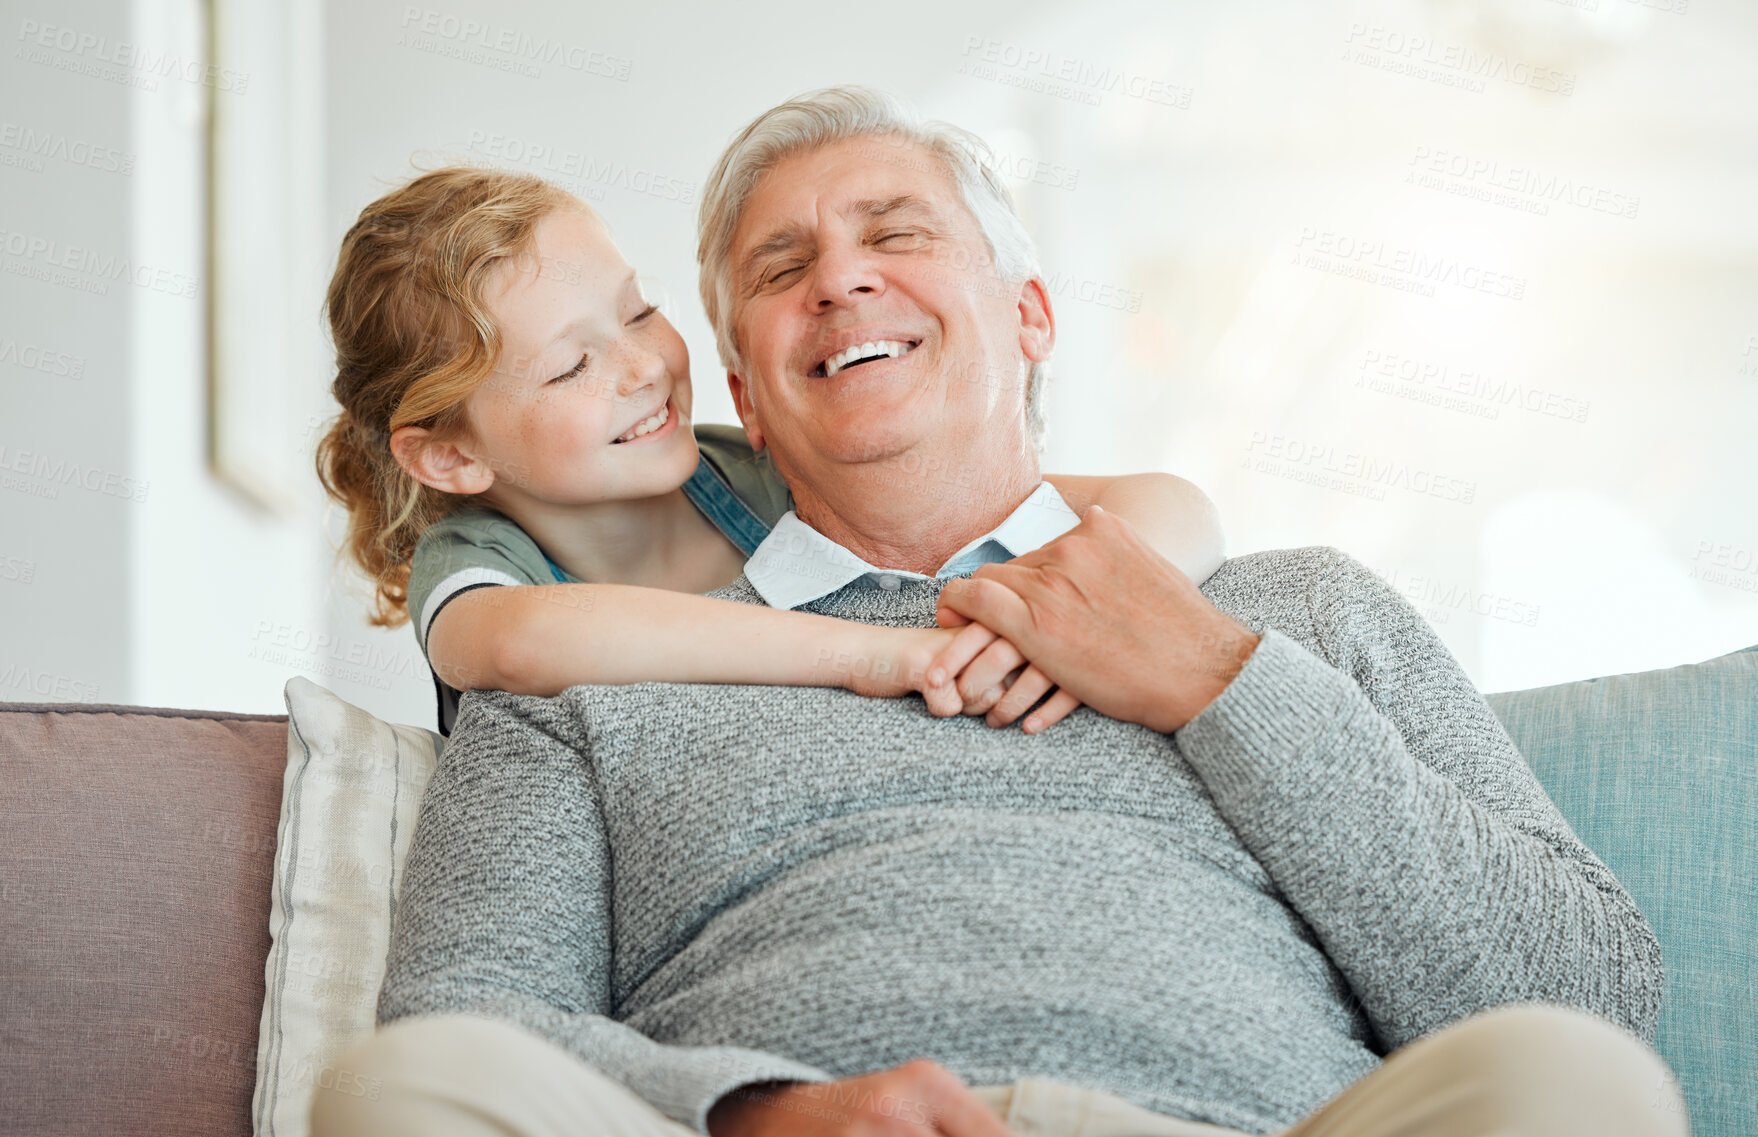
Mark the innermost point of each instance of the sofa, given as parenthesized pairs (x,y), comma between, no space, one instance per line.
(138,847)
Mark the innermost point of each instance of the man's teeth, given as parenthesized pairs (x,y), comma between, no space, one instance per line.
(893,348)
(649,425)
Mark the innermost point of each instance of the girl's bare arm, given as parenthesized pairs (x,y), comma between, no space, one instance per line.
(1173,515)
(542,639)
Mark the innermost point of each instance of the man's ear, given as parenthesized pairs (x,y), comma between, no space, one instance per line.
(438,464)
(747,408)
(1037,323)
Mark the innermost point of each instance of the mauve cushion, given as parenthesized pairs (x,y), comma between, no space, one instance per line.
(136,850)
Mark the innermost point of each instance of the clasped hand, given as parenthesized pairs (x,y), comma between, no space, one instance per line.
(1096,617)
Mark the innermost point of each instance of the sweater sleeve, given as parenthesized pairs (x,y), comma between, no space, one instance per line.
(505,910)
(1390,808)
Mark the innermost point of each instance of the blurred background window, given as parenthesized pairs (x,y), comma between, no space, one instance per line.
(1468,290)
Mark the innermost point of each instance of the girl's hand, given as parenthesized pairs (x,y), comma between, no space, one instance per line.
(888,662)
(884,663)
(993,679)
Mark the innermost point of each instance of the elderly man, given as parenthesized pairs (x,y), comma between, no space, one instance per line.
(1265,880)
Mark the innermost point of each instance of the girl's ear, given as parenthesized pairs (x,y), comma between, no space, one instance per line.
(438,464)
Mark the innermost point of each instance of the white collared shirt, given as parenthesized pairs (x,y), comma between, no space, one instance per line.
(796,564)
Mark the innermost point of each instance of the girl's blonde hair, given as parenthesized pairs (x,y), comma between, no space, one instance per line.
(413,341)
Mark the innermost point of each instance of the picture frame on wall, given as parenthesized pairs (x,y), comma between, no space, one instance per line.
(265,269)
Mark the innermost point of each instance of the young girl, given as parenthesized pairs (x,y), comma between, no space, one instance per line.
(552,523)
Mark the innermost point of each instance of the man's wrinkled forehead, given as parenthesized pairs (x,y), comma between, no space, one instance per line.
(858,180)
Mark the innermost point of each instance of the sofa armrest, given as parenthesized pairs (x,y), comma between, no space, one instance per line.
(135,865)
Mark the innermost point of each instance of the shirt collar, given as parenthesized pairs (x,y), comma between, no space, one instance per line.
(796,564)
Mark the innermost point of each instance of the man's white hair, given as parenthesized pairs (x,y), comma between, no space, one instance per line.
(834,114)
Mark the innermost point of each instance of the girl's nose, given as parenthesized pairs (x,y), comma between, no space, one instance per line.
(640,369)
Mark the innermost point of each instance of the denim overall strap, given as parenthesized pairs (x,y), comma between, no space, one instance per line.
(711,494)
(708,491)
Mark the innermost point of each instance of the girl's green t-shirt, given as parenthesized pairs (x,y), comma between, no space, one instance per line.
(476,547)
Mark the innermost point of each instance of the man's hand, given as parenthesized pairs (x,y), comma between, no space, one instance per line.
(915,1099)
(1110,621)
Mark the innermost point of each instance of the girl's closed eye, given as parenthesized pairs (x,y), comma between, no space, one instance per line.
(586,358)
(573,371)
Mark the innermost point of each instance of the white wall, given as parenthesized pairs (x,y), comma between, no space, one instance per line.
(1247,160)
(162,586)
(66,374)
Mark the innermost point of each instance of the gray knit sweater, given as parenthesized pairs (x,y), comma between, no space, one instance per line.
(696,886)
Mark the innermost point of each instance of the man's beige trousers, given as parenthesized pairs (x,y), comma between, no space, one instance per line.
(1518,1071)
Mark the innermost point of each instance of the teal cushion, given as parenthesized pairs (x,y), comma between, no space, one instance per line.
(1658,773)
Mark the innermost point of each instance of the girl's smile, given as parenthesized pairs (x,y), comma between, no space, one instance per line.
(659,423)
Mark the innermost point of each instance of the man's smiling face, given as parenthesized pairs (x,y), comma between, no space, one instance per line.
(868,242)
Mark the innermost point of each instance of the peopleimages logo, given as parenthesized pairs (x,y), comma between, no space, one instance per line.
(49,254)
(1467,391)
(1451,64)
(37,474)
(34,358)
(1414,269)
(37,144)
(506,49)
(1349,471)
(1050,72)
(320,653)
(1720,562)
(579,169)
(1437,600)
(1518,187)
(77,47)
(17,569)
(27,681)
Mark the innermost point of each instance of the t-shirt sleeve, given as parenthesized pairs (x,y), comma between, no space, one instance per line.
(749,473)
(470,549)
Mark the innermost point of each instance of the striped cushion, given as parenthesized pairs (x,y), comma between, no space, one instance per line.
(349,799)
